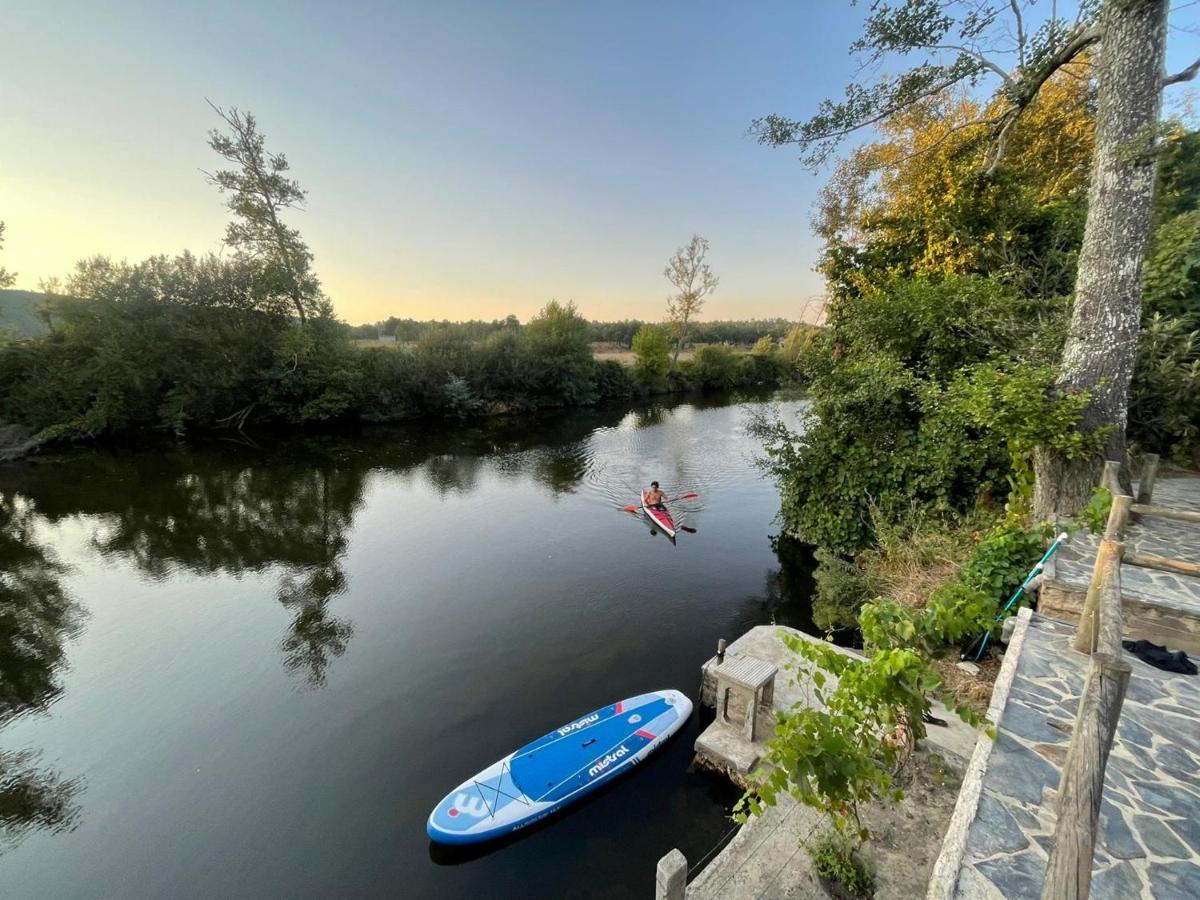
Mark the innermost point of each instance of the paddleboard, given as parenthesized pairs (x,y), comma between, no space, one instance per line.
(558,768)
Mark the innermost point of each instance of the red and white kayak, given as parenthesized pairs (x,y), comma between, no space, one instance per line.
(660,517)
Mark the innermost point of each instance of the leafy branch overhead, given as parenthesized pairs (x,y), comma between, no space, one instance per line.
(982,41)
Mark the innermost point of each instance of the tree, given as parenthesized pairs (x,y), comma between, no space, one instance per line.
(652,347)
(693,281)
(6,277)
(958,43)
(562,355)
(259,189)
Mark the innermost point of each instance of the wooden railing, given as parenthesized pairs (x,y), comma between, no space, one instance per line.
(1081,786)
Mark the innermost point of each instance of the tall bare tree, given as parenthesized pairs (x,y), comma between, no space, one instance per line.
(688,271)
(1020,44)
(6,277)
(259,189)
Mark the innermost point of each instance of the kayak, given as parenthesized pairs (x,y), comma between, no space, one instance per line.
(660,517)
(558,768)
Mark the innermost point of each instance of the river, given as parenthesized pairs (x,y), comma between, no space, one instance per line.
(252,668)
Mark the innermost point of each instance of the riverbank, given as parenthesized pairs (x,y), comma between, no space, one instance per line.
(767,856)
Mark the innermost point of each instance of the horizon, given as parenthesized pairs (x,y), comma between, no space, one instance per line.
(461,163)
(464,162)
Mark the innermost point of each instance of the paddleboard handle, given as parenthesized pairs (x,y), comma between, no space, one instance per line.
(720,651)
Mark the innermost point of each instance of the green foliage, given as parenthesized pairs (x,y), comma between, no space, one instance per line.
(563,366)
(914,409)
(835,859)
(714,368)
(1164,402)
(652,346)
(1001,560)
(458,401)
(841,590)
(1095,514)
(836,758)
(1172,269)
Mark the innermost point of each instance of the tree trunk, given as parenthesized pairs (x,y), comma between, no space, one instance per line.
(1102,340)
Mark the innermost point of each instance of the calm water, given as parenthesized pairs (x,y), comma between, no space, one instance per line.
(252,670)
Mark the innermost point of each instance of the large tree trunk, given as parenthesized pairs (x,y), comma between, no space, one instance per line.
(1102,340)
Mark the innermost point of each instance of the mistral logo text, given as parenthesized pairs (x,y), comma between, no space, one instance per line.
(607,761)
(582,723)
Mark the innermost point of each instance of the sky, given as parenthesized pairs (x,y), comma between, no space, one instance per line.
(463,160)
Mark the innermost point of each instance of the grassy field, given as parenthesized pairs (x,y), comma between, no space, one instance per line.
(600,351)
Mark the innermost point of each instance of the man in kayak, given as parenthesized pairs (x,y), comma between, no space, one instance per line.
(655,498)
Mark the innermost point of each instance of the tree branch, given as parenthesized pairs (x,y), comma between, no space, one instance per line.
(1186,75)
(1020,32)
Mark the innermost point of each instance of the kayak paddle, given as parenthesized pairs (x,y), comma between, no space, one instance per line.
(634,508)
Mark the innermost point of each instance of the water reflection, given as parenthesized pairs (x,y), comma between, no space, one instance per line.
(34,797)
(37,618)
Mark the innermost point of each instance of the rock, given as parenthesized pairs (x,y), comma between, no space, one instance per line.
(1158,838)
(994,830)
(1114,834)
(1117,882)
(1020,875)
(969,667)
(1175,881)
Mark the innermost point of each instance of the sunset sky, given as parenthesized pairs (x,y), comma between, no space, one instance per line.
(462,159)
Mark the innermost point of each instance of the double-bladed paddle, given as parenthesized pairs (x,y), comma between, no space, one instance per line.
(691,496)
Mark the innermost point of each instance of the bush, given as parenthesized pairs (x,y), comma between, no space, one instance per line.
(1002,559)
(714,368)
(841,590)
(563,367)
(835,860)
(458,401)
(1164,400)
(652,345)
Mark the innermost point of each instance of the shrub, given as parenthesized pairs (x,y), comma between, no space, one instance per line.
(714,368)
(835,859)
(652,345)
(458,401)
(562,356)
(841,590)
(1164,401)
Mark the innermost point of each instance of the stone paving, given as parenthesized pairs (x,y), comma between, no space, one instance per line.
(1149,839)
(1163,602)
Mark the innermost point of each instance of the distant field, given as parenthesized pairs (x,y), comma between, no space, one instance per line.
(622,355)
(600,350)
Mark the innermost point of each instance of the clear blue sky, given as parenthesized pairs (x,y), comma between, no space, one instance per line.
(462,159)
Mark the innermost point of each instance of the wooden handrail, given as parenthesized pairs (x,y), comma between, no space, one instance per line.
(1069,870)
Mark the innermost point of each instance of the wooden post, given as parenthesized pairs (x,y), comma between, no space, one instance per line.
(1111,478)
(1118,517)
(1106,570)
(1108,607)
(1069,870)
(1146,484)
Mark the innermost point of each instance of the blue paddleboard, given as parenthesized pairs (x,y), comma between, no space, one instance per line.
(557,768)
